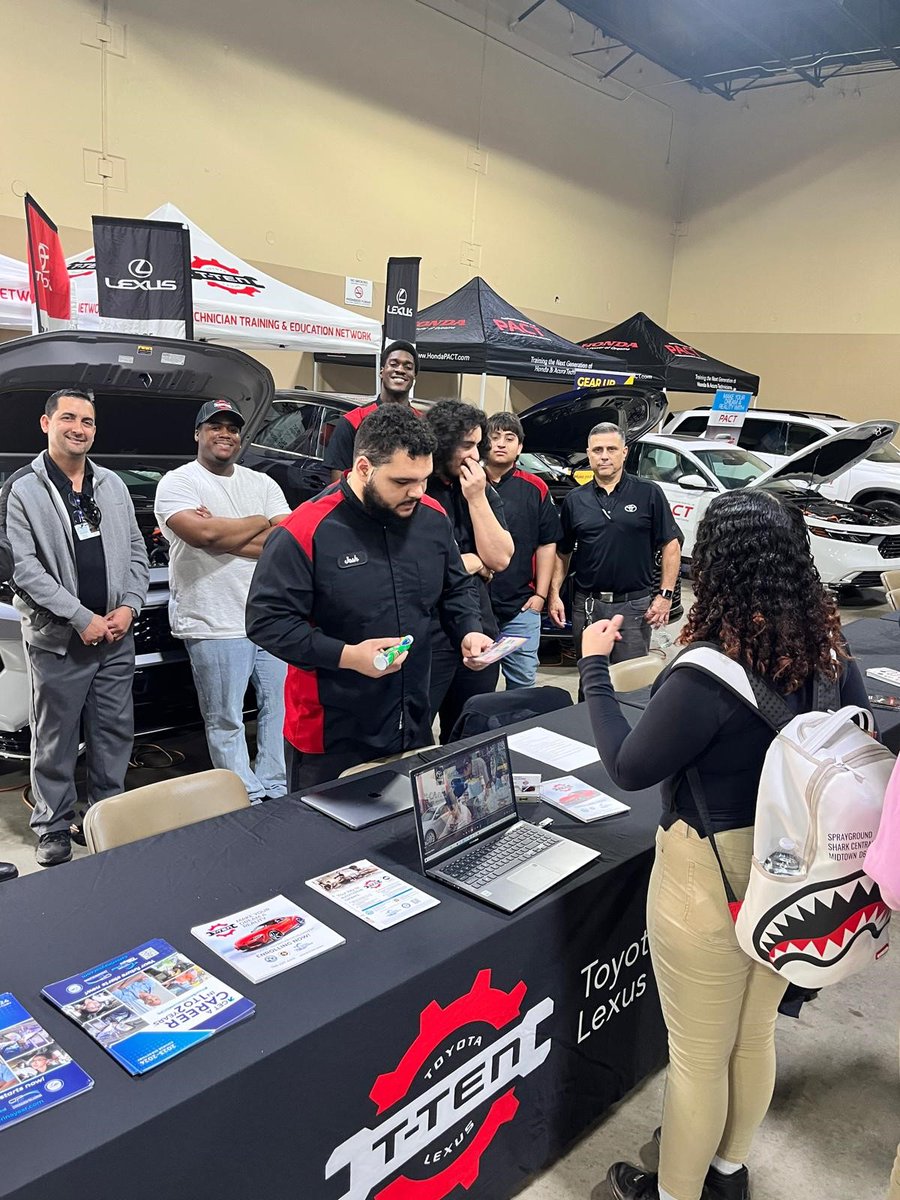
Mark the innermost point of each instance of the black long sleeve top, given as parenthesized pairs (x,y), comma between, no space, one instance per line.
(692,721)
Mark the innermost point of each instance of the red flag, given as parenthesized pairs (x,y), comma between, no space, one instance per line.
(47,266)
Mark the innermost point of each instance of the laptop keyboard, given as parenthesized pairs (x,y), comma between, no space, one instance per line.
(482,864)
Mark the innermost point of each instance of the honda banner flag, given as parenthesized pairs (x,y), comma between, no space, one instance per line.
(50,292)
(144,276)
(401,300)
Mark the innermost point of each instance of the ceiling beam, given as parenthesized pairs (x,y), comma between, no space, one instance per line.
(865,28)
(738,27)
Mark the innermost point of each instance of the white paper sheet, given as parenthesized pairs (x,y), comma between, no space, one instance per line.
(553,748)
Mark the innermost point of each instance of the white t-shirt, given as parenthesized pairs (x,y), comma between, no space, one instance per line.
(208,588)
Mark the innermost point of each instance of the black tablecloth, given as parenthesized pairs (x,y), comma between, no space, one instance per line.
(876,643)
(564,988)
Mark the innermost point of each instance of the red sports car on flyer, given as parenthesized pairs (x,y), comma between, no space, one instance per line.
(269,931)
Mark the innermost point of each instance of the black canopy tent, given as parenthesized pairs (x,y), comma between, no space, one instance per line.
(646,346)
(475,331)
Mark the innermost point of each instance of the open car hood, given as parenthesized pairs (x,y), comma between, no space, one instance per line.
(148,389)
(560,425)
(825,460)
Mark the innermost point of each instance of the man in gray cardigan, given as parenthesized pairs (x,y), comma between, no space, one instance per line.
(80,579)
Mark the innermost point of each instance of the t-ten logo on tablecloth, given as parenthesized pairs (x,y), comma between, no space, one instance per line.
(218,275)
(430,1098)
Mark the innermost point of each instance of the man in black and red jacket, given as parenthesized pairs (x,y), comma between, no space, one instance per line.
(399,367)
(519,593)
(347,575)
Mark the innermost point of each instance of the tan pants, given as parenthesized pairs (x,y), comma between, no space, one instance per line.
(719,1007)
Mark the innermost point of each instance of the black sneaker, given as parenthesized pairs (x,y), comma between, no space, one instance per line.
(631,1183)
(53,848)
(719,1186)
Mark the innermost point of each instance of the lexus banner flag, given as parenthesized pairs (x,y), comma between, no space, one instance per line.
(50,292)
(144,276)
(401,300)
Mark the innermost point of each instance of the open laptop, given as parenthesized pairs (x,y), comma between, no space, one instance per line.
(360,800)
(470,834)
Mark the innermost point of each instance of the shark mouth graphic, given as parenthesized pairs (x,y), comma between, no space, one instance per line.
(822,922)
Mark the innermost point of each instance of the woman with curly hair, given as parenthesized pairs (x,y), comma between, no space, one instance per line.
(760,599)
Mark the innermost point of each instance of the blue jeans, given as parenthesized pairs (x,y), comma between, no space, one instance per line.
(223,668)
(520,668)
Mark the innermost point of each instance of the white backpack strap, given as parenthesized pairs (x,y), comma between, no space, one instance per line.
(749,688)
(826,728)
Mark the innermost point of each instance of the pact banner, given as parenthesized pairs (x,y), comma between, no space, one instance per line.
(144,276)
(401,300)
(50,290)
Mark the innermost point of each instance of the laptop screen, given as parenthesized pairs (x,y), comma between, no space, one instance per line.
(462,797)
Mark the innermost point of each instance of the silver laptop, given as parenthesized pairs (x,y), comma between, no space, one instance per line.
(470,834)
(360,800)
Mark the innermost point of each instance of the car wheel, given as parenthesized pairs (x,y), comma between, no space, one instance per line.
(275,935)
(430,837)
(883,507)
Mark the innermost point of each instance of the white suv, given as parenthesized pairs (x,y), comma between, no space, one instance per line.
(775,435)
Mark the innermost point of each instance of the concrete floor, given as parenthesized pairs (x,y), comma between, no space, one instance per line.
(833,1127)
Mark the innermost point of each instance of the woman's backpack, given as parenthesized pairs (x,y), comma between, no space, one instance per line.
(810,913)
(883,856)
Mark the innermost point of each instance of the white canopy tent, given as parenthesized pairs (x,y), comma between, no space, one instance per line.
(233,302)
(15,294)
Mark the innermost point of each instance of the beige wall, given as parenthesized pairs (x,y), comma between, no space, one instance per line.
(317,137)
(789,263)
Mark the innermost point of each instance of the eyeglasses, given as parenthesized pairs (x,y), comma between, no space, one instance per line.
(86,511)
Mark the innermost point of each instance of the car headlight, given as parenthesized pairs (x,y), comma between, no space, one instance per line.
(839,535)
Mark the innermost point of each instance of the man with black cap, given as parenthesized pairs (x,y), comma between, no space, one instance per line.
(399,367)
(217,516)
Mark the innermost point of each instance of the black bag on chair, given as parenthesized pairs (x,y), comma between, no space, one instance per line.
(481,714)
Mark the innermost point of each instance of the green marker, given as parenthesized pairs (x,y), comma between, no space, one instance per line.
(384,658)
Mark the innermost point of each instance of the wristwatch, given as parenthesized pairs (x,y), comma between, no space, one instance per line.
(666,593)
(134,613)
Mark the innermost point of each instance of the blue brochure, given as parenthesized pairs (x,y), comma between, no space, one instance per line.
(35,1071)
(148,1005)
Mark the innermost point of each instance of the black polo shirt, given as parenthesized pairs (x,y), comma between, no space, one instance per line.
(451,499)
(90,561)
(615,536)
(533,520)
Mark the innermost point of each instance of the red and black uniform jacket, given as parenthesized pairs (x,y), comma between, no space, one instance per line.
(533,520)
(339,451)
(333,574)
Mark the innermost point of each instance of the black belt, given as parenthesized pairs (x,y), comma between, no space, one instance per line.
(614,597)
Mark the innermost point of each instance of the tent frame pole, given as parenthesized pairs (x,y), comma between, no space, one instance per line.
(483,389)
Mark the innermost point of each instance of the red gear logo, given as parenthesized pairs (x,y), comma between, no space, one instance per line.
(482,1003)
(198,264)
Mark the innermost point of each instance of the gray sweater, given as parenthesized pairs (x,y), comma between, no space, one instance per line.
(40,531)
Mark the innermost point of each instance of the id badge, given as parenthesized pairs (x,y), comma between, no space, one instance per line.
(83,531)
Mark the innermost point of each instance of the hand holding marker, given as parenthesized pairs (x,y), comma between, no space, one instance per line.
(385,658)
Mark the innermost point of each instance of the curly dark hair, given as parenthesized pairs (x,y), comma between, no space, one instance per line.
(450,421)
(392,427)
(758,593)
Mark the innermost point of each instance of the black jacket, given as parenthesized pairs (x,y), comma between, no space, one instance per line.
(332,574)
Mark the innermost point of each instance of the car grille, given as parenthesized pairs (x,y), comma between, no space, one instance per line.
(867,579)
(152,632)
(889,547)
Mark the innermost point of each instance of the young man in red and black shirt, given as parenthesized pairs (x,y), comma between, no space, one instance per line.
(399,367)
(519,593)
(348,574)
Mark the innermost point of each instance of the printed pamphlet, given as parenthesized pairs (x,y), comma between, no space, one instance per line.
(375,896)
(35,1071)
(499,649)
(579,799)
(148,1005)
(268,938)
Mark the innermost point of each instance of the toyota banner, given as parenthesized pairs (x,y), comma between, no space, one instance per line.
(50,289)
(144,276)
(401,300)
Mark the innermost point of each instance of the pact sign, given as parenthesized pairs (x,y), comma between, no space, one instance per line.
(727,416)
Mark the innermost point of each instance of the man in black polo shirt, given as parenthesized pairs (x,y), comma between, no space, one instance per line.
(399,367)
(519,593)
(461,487)
(615,524)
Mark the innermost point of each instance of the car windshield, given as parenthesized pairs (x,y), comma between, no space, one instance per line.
(732,466)
(887,454)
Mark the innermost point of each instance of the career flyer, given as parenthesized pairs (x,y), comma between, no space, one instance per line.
(579,799)
(375,896)
(268,938)
(148,1005)
(35,1071)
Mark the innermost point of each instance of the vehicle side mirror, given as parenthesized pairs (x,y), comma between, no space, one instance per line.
(693,483)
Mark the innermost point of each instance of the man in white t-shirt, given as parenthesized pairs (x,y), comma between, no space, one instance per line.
(216,517)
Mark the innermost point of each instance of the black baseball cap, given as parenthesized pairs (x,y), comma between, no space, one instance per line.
(213,408)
